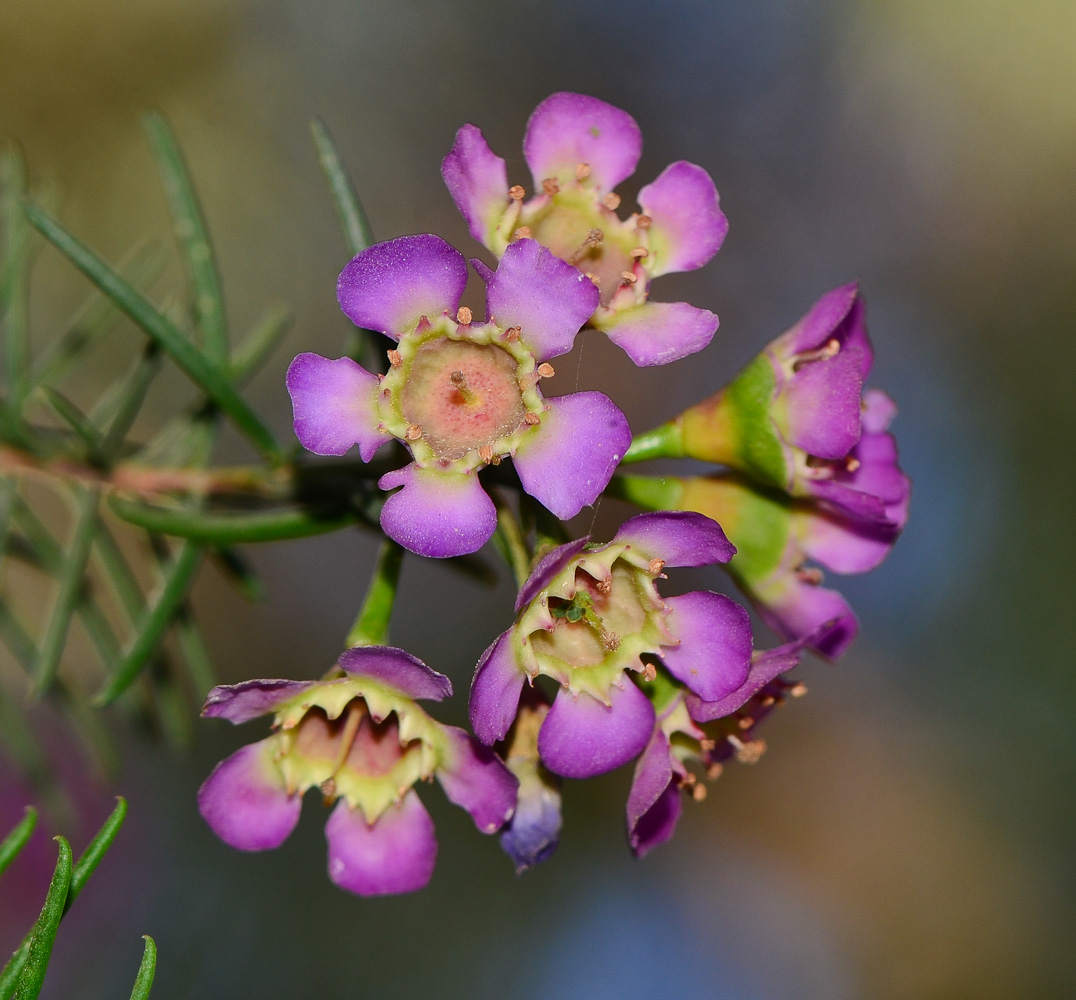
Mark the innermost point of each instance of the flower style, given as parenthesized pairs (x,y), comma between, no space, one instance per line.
(589,617)
(578,150)
(360,738)
(461,394)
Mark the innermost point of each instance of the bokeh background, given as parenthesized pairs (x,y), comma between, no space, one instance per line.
(911,830)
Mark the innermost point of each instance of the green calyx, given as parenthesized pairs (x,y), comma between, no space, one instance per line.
(357,739)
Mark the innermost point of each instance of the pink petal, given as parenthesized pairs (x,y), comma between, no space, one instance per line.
(714,654)
(335,406)
(568,129)
(656,333)
(474,777)
(547,298)
(390,286)
(654,800)
(568,460)
(437,514)
(399,669)
(677,538)
(244,800)
(687,224)
(245,701)
(581,737)
(477,181)
(498,680)
(396,854)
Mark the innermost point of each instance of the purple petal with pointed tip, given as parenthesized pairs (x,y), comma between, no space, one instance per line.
(476,178)
(568,460)
(474,777)
(568,129)
(245,701)
(766,666)
(335,406)
(244,800)
(654,800)
(549,566)
(687,225)
(437,514)
(390,286)
(547,298)
(396,854)
(821,320)
(581,737)
(714,654)
(498,680)
(656,333)
(677,538)
(399,669)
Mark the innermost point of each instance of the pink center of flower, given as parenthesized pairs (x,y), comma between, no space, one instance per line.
(462,397)
(354,740)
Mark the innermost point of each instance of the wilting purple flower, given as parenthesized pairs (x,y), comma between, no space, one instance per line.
(689,730)
(590,618)
(359,737)
(796,418)
(578,150)
(461,394)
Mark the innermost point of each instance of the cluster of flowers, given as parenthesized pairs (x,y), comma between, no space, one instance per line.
(808,474)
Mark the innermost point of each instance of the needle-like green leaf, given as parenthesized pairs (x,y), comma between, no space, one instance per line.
(95,850)
(193,238)
(146,970)
(14,276)
(212,378)
(39,950)
(356,226)
(16,840)
(260,342)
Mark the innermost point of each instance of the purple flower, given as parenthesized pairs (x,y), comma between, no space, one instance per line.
(590,618)
(461,394)
(793,419)
(362,741)
(579,149)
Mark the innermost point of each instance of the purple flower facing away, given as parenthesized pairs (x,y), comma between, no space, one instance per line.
(691,731)
(796,418)
(591,619)
(362,741)
(579,149)
(461,394)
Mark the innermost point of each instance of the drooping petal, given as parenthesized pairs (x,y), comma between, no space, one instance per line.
(677,538)
(498,680)
(474,777)
(437,514)
(566,130)
(822,319)
(478,182)
(245,701)
(395,854)
(766,666)
(656,333)
(687,225)
(581,737)
(546,297)
(842,545)
(534,830)
(654,800)
(335,406)
(399,669)
(549,566)
(568,460)
(390,286)
(244,800)
(714,654)
(796,609)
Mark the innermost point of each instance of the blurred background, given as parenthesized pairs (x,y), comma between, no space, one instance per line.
(911,830)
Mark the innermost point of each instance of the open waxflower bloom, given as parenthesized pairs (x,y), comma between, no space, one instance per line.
(796,419)
(690,732)
(359,738)
(591,619)
(461,394)
(579,149)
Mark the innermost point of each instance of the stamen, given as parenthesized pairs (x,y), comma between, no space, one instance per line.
(394,358)
(713,772)
(596,278)
(811,575)
(550,186)
(604,586)
(611,201)
(851,464)
(749,752)
(745,722)
(656,566)
(531,419)
(459,380)
(413,433)
(591,241)
(582,171)
(707,745)
(640,253)
(464,316)
(643,221)
(328,790)
(546,370)
(516,192)
(798,690)
(522,233)
(512,334)
(698,792)
(628,277)
(650,672)
(828,350)
(485,453)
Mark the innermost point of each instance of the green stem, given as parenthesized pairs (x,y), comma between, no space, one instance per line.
(509,541)
(371,627)
(666,441)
